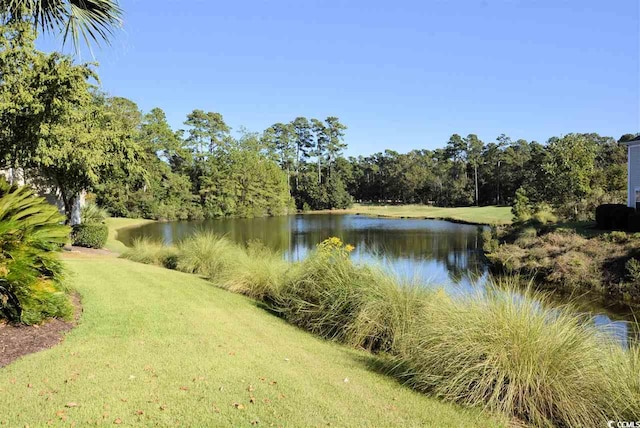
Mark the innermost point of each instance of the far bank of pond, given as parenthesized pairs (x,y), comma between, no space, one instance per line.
(495,215)
(432,252)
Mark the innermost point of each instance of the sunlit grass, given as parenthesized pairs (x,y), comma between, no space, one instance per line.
(500,350)
(156,347)
(472,215)
(117,223)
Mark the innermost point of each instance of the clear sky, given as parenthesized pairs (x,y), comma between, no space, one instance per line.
(400,74)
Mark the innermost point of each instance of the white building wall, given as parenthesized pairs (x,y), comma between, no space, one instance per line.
(634,174)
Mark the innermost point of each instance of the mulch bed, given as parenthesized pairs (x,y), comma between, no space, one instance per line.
(19,340)
(89,251)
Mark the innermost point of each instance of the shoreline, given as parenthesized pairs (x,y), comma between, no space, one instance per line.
(418,216)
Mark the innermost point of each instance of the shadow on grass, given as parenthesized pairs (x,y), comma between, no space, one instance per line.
(386,365)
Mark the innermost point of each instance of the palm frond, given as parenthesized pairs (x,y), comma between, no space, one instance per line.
(90,20)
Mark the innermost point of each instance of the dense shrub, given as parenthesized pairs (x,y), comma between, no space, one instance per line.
(633,270)
(521,208)
(31,235)
(621,217)
(604,215)
(633,222)
(543,214)
(609,216)
(89,235)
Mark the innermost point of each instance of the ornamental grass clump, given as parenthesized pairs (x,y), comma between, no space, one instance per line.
(145,250)
(258,272)
(386,312)
(207,254)
(514,354)
(323,293)
(331,296)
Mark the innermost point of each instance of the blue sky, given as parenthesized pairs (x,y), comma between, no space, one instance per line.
(402,75)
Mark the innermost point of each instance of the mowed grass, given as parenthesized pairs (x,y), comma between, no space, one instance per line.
(117,223)
(471,215)
(156,347)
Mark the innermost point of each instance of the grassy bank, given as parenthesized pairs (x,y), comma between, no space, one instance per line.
(470,215)
(499,350)
(117,223)
(156,347)
(572,258)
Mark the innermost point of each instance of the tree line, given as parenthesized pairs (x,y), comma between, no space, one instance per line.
(63,134)
(573,173)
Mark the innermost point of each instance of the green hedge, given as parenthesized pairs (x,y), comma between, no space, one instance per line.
(90,235)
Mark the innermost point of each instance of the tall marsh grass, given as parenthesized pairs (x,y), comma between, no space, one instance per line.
(502,349)
(207,254)
(258,272)
(144,250)
(513,354)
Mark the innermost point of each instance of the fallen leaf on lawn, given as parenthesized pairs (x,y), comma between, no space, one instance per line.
(60,413)
(263,379)
(29,385)
(346,380)
(232,353)
(283,396)
(251,388)
(221,388)
(184,388)
(238,406)
(118,421)
(266,401)
(72,404)
(252,399)
(163,407)
(273,382)
(286,359)
(131,377)
(124,400)
(139,412)
(255,422)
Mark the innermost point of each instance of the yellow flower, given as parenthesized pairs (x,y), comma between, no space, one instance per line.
(349,248)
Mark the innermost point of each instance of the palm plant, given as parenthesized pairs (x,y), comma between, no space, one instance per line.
(93,20)
(31,233)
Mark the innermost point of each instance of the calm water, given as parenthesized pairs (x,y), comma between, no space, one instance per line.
(435,252)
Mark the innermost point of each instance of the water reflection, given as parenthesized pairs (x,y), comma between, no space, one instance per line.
(429,251)
(445,252)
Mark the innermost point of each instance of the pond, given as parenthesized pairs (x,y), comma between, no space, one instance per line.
(433,252)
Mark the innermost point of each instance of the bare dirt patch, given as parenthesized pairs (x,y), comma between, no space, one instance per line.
(19,340)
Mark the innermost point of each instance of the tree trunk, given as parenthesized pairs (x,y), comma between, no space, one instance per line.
(68,205)
(297,171)
(475,167)
(76,209)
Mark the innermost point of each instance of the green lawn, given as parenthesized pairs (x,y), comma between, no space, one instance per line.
(117,223)
(472,215)
(159,347)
